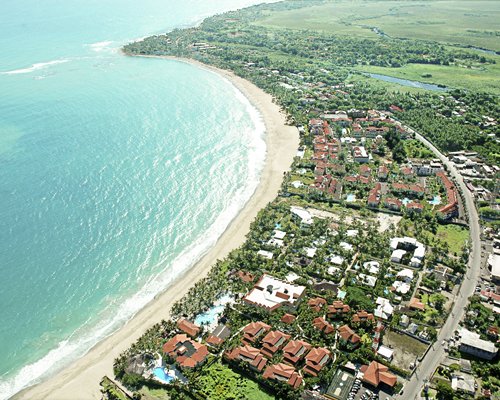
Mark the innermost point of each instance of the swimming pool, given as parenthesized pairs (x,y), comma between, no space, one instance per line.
(436,200)
(212,314)
(350,198)
(406,200)
(160,373)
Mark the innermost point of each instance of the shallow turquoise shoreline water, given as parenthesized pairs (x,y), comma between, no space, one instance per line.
(116,173)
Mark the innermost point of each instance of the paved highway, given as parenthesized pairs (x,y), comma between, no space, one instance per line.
(436,353)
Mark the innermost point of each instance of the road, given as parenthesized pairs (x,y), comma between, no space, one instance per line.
(436,353)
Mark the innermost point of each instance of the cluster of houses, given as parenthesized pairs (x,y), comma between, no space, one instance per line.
(358,136)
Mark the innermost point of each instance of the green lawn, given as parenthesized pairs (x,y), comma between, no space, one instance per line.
(469,23)
(456,236)
(219,382)
(483,79)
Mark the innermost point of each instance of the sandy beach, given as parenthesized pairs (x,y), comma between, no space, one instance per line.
(81,379)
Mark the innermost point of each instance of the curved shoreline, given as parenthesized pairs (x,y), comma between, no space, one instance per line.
(81,379)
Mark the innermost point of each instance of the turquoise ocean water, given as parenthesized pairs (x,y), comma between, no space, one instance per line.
(116,173)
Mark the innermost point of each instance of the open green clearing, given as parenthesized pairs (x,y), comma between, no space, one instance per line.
(468,23)
(456,236)
(484,78)
(406,349)
(218,382)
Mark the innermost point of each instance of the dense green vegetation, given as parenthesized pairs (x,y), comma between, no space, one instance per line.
(313,70)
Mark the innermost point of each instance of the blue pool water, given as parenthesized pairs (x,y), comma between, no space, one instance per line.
(435,201)
(406,200)
(350,198)
(211,315)
(160,373)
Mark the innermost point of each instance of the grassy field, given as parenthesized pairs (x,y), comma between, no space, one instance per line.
(219,383)
(484,79)
(469,23)
(454,235)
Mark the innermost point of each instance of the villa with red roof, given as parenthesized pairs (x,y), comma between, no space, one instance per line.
(249,354)
(363,316)
(393,204)
(188,327)
(253,331)
(349,336)
(273,342)
(317,303)
(295,350)
(323,326)
(316,359)
(288,318)
(284,373)
(338,308)
(185,351)
(376,374)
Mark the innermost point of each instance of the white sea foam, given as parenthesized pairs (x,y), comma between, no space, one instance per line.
(35,67)
(79,343)
(102,47)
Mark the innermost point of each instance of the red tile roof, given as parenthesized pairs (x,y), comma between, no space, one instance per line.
(316,303)
(363,316)
(186,352)
(338,308)
(288,318)
(295,350)
(316,360)
(377,373)
(283,372)
(347,334)
(249,354)
(273,342)
(253,331)
(188,327)
(416,304)
(321,324)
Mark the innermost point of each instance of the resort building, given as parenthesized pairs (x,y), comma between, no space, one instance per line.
(295,350)
(283,373)
(273,342)
(219,335)
(316,304)
(316,359)
(323,326)
(384,308)
(376,374)
(248,354)
(185,352)
(270,293)
(253,331)
(188,327)
(349,336)
(363,316)
(338,308)
(360,154)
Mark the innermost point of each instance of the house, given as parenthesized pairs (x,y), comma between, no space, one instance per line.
(415,206)
(416,304)
(374,196)
(349,336)
(376,374)
(270,293)
(404,321)
(248,354)
(494,265)
(471,343)
(363,316)
(365,170)
(382,173)
(253,331)
(185,352)
(323,326)
(302,215)
(367,280)
(273,342)
(338,308)
(384,308)
(265,254)
(283,373)
(385,352)
(317,303)
(295,350)
(188,327)
(405,275)
(316,359)
(463,384)
(219,335)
